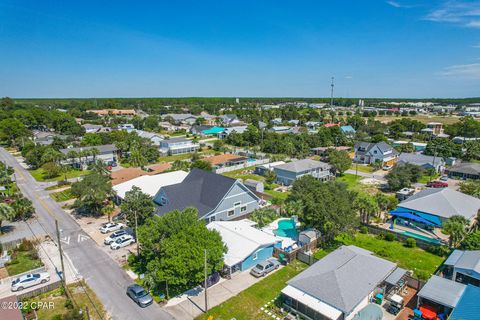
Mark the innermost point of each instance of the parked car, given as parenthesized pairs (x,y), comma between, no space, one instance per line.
(139,295)
(29,280)
(264,267)
(119,217)
(111,226)
(437,184)
(387,168)
(444,178)
(122,241)
(114,236)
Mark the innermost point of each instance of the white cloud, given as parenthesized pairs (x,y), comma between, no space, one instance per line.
(464,13)
(348,77)
(469,71)
(394,4)
(397,4)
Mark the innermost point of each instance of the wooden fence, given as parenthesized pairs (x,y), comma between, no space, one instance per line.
(401,237)
(10,245)
(46,288)
(293,255)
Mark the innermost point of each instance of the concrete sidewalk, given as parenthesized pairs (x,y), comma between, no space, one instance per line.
(192,304)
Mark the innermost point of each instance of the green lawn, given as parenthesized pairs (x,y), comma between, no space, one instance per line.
(58,186)
(352,181)
(246,305)
(39,174)
(241,172)
(422,263)
(82,295)
(23,261)
(62,195)
(427,178)
(362,168)
(277,194)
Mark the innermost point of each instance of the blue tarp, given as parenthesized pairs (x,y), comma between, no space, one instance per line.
(402,213)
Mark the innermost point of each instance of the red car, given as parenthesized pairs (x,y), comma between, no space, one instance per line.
(437,184)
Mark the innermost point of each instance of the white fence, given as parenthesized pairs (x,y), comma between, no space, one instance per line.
(243,165)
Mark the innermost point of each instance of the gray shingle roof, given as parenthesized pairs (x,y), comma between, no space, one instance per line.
(382,146)
(303,165)
(466,167)
(443,202)
(344,277)
(419,159)
(107,148)
(200,189)
(443,291)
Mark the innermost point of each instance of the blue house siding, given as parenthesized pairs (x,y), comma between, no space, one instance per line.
(238,200)
(261,255)
(285,177)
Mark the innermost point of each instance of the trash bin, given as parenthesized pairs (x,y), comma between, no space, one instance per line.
(379,298)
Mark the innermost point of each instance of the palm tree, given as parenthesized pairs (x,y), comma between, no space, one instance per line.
(23,208)
(94,152)
(72,155)
(366,205)
(108,208)
(456,228)
(6,213)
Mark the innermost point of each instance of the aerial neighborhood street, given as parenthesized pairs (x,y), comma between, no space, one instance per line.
(240,160)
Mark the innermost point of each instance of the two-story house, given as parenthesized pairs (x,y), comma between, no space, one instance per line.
(83,156)
(177,146)
(369,152)
(216,197)
(289,172)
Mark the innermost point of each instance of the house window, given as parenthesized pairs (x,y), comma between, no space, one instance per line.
(255,256)
(236,204)
(230,213)
(243,209)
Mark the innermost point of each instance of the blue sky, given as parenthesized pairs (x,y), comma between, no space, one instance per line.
(373,48)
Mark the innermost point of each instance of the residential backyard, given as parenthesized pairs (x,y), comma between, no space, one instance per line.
(247,304)
(24,258)
(352,181)
(362,168)
(421,262)
(39,175)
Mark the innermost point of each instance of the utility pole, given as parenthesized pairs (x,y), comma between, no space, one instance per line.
(206,284)
(64,282)
(136,233)
(331,94)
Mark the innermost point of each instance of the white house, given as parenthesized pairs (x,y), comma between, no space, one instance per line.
(369,152)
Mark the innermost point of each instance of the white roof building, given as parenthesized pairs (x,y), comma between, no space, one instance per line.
(241,239)
(150,184)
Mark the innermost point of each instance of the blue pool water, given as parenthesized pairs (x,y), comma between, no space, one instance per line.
(286,228)
(251,160)
(419,236)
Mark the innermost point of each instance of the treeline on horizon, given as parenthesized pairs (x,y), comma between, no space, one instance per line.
(100,103)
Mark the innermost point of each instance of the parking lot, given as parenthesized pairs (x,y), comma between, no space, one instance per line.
(92,225)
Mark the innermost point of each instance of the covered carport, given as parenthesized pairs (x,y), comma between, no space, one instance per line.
(440,294)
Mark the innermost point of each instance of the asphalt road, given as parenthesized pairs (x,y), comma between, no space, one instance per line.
(101,273)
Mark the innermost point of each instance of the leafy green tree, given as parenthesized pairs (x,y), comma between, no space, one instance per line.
(172,249)
(442,147)
(456,228)
(326,206)
(52,170)
(407,147)
(11,129)
(263,216)
(137,159)
(270,176)
(139,204)
(6,213)
(386,202)
(471,187)
(472,150)
(151,123)
(466,127)
(202,164)
(471,241)
(293,208)
(403,176)
(339,160)
(217,145)
(180,165)
(91,192)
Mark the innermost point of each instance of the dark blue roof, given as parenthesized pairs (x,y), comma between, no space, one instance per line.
(468,307)
(402,213)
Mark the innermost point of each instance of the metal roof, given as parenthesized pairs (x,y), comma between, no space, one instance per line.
(107,148)
(344,277)
(443,202)
(468,306)
(302,165)
(395,276)
(468,260)
(442,291)
(466,167)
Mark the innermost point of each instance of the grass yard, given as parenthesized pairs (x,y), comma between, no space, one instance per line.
(352,181)
(81,295)
(58,186)
(242,172)
(362,168)
(39,175)
(246,305)
(422,263)
(427,178)
(62,195)
(277,194)
(23,261)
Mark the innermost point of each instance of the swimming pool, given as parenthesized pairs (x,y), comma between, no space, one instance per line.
(419,236)
(286,228)
(251,160)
